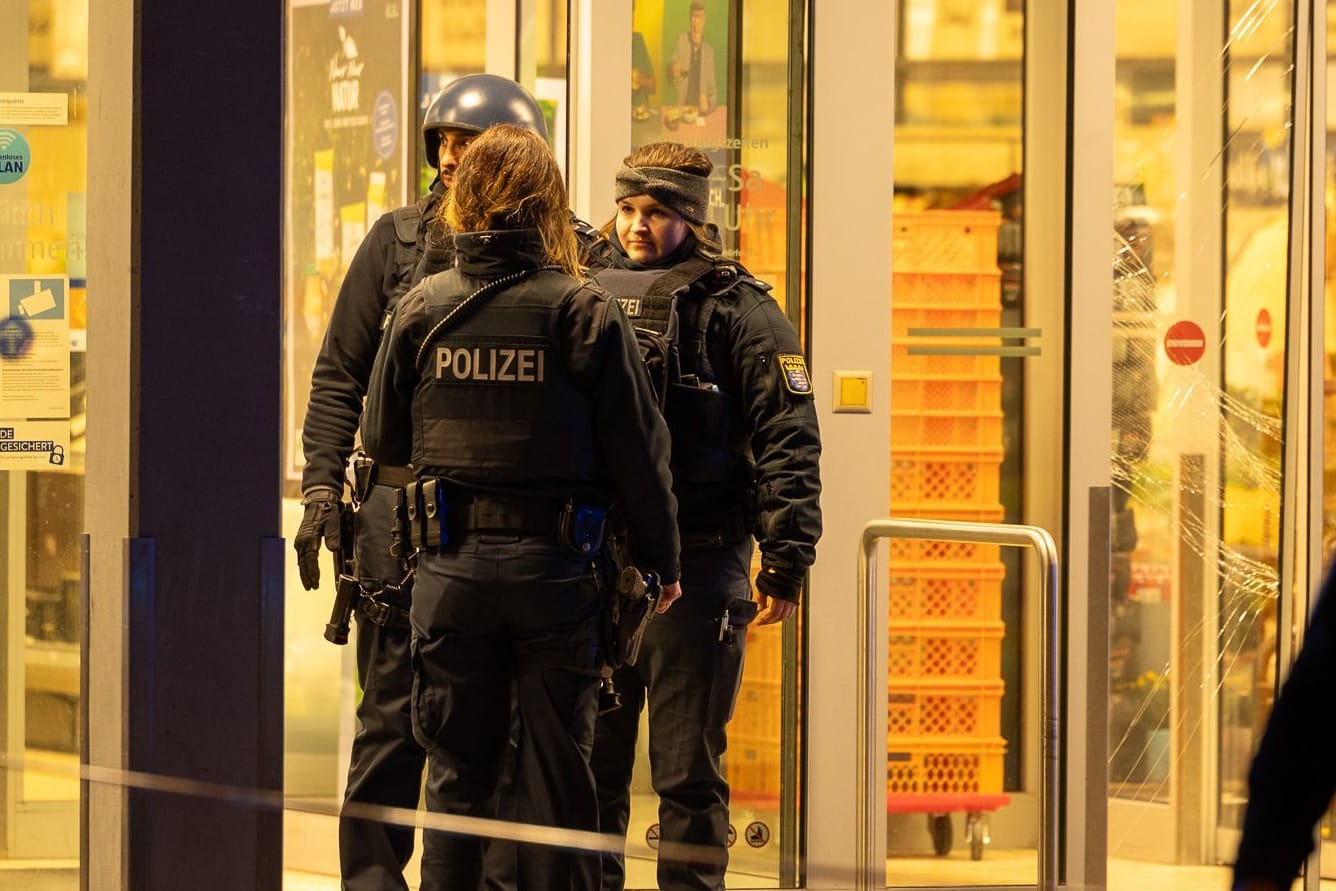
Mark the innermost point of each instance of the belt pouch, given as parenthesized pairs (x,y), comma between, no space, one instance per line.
(415,518)
(580,529)
(434,510)
(402,537)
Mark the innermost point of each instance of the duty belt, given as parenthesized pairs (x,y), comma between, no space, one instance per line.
(431,514)
(389,475)
(367,473)
(715,532)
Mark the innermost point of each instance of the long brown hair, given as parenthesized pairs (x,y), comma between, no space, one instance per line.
(676,156)
(509,179)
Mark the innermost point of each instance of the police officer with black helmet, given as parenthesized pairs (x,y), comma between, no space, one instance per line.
(746,464)
(387,763)
(515,389)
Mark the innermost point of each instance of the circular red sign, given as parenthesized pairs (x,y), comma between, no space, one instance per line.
(1184,343)
(1263,326)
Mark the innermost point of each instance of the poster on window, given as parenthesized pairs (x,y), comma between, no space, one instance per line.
(348,118)
(684,89)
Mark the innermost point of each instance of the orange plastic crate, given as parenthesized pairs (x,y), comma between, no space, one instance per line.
(911,555)
(965,652)
(757,712)
(929,767)
(953,430)
(945,241)
(944,708)
(912,395)
(764,662)
(954,480)
(751,766)
(916,365)
(905,318)
(981,290)
(945,592)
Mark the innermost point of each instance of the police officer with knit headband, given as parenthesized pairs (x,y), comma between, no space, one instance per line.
(745,461)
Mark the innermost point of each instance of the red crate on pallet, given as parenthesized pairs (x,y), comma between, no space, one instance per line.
(929,767)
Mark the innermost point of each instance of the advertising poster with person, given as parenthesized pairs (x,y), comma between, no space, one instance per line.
(680,57)
(682,72)
(347,120)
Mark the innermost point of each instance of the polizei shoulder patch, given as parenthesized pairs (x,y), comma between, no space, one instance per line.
(794,368)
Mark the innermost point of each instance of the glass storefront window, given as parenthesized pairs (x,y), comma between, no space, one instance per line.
(353,136)
(452,42)
(43,176)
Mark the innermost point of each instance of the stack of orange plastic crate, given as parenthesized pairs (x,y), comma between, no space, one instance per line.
(752,762)
(945,687)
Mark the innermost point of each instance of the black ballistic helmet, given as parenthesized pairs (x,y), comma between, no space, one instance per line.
(475,102)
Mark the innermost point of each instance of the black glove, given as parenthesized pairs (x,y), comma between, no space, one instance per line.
(773,581)
(319,521)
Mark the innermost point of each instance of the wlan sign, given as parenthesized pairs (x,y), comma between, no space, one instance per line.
(15,156)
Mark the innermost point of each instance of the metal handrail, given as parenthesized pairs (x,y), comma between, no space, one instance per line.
(872,714)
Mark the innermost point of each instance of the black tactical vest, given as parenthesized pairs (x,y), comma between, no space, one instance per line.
(496,405)
(671,314)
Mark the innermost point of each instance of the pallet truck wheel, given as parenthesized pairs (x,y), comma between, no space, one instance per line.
(976,832)
(939,827)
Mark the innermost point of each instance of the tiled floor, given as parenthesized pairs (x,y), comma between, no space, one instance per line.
(956,871)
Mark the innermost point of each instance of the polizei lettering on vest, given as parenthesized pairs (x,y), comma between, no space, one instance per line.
(493,364)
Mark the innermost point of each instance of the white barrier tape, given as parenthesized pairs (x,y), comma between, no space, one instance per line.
(530,833)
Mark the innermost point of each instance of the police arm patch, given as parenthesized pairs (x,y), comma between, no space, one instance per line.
(794,369)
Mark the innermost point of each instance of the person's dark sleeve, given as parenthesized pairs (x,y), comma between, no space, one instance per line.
(630,432)
(339,379)
(387,422)
(784,437)
(1293,775)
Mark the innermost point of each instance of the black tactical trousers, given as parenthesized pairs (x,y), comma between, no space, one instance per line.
(387,762)
(690,680)
(491,615)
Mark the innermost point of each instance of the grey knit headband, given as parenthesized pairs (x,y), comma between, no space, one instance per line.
(686,193)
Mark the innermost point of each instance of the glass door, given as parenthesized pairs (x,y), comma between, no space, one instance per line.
(1201,298)
(961,789)
(43,160)
(744,122)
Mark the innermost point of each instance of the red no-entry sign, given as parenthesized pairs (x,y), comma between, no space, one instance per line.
(1184,343)
(1263,326)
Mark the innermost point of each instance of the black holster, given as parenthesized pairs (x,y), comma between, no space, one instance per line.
(630,609)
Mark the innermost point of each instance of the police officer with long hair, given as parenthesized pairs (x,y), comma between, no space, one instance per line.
(516,391)
(387,762)
(745,461)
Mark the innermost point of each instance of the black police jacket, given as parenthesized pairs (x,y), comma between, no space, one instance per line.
(396,254)
(748,384)
(537,390)
(380,273)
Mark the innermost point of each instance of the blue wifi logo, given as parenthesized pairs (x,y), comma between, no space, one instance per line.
(15,156)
